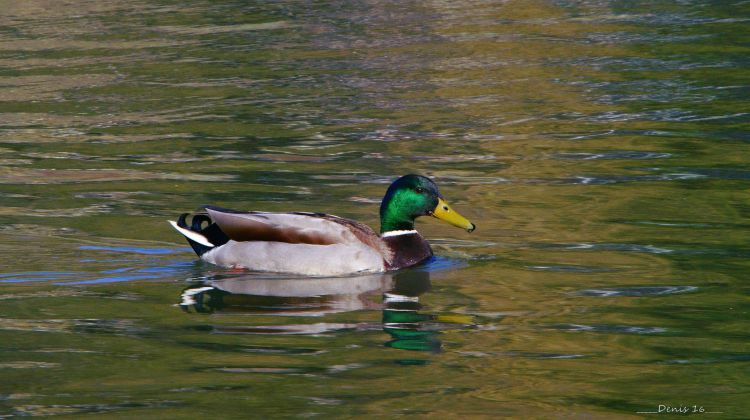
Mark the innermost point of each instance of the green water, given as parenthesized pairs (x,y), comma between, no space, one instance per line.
(601,147)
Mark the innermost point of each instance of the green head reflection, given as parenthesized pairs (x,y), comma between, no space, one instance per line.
(401,317)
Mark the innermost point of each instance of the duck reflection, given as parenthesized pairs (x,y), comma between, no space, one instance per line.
(283,296)
(396,294)
(401,317)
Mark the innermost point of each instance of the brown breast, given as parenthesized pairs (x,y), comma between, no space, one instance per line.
(407,250)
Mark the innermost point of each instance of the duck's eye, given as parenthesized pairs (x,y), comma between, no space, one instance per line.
(420,190)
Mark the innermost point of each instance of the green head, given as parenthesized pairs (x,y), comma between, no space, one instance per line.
(412,196)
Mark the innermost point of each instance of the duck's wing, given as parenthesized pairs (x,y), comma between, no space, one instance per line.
(292,228)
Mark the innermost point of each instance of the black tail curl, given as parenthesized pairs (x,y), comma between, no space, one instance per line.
(211,232)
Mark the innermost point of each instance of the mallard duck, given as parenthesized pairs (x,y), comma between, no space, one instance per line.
(321,244)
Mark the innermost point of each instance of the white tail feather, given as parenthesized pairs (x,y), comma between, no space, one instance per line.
(193,236)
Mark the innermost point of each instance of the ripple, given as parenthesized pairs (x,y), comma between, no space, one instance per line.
(618,179)
(45,294)
(649,249)
(461,242)
(62,409)
(57,213)
(91,326)
(675,224)
(636,63)
(28,365)
(128,274)
(65,350)
(48,87)
(570,269)
(663,91)
(637,291)
(221,347)
(529,355)
(112,279)
(622,37)
(36,276)
(220,29)
(294,329)
(440,263)
(584,136)
(291,157)
(345,367)
(132,250)
(324,401)
(711,360)
(272,370)
(668,19)
(29,176)
(111,195)
(722,173)
(659,115)
(47,325)
(470,180)
(107,326)
(634,155)
(605,328)
(685,173)
(355,177)
(365,200)
(20,128)
(455,158)
(39,45)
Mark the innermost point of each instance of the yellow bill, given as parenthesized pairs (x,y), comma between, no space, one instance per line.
(445,213)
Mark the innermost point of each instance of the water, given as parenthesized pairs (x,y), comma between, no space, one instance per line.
(601,147)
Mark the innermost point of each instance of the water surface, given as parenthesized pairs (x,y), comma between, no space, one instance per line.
(601,147)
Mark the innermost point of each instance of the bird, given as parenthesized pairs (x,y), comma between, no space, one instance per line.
(318,244)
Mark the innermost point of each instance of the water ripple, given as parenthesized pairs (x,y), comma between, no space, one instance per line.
(649,249)
(132,250)
(123,327)
(36,276)
(570,269)
(637,291)
(27,176)
(711,360)
(658,115)
(28,365)
(72,409)
(214,29)
(619,179)
(529,355)
(606,328)
(623,154)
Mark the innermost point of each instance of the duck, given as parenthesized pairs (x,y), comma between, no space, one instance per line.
(318,244)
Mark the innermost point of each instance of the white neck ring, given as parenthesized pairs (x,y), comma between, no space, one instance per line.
(397,233)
